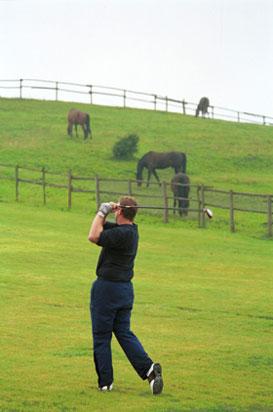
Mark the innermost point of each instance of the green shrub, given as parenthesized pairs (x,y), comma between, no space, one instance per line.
(126,147)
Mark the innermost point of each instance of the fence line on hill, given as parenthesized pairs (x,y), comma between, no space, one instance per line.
(97,94)
(200,195)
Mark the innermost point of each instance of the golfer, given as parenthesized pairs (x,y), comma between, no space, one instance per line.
(112,294)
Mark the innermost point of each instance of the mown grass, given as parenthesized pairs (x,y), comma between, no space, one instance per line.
(203,297)
(203,309)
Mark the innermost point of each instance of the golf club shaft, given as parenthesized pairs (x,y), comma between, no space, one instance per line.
(159,207)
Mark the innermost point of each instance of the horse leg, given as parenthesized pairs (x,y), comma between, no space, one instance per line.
(148,177)
(76,129)
(180,206)
(69,129)
(84,132)
(156,176)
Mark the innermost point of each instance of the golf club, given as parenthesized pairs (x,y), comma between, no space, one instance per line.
(207,211)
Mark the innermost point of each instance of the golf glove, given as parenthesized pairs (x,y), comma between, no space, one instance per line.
(105,209)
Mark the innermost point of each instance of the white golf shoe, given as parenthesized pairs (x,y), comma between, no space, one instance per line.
(106,388)
(154,376)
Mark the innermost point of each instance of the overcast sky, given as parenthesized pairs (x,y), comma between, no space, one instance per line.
(184,49)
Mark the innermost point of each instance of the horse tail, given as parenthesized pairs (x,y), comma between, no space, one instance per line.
(180,186)
(69,128)
(87,122)
(139,172)
(184,163)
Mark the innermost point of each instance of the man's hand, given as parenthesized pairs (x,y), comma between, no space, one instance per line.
(105,209)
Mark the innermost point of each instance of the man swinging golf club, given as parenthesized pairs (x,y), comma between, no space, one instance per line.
(112,294)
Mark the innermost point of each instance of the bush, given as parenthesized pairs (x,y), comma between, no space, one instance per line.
(126,147)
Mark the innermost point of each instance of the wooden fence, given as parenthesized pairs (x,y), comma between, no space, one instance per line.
(96,94)
(161,199)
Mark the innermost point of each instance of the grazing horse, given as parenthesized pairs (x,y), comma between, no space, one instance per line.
(202,107)
(75,118)
(154,160)
(180,185)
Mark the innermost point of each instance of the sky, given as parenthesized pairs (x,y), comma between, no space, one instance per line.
(183,49)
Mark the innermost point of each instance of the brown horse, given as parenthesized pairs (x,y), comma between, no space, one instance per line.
(180,185)
(202,107)
(154,160)
(75,118)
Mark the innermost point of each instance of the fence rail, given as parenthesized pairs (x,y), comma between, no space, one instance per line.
(97,94)
(201,196)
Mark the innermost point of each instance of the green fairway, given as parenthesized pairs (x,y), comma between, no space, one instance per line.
(203,309)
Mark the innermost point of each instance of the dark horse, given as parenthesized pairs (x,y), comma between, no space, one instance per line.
(75,118)
(180,185)
(202,107)
(154,160)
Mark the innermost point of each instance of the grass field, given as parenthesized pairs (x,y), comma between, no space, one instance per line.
(203,308)
(223,154)
(203,305)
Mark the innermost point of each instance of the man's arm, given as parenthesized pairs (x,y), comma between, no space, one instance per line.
(96,228)
(99,220)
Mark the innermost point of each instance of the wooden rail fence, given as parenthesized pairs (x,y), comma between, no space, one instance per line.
(160,200)
(89,93)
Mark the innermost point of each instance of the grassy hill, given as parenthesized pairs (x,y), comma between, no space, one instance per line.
(203,297)
(224,154)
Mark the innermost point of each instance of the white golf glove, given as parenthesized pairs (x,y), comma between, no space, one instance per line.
(105,209)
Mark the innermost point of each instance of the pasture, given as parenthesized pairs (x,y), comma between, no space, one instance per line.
(223,154)
(203,308)
(203,305)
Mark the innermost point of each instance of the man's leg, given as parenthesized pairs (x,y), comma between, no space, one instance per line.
(102,316)
(130,343)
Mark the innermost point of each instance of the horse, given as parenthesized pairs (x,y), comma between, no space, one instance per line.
(202,107)
(180,185)
(75,118)
(154,160)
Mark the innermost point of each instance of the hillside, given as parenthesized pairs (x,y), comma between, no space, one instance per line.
(203,301)
(223,154)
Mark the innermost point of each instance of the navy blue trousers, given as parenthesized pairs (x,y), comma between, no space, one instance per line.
(110,306)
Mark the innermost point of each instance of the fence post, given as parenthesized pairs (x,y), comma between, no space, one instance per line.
(165,202)
(184,106)
(199,206)
(238,117)
(44,185)
(264,121)
(130,187)
(166,98)
(269,221)
(69,188)
(97,191)
(124,98)
(56,91)
(231,213)
(155,96)
(91,95)
(202,206)
(17,183)
(212,112)
(21,88)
